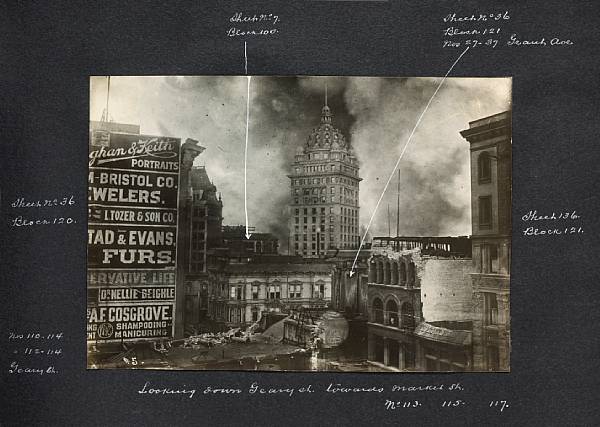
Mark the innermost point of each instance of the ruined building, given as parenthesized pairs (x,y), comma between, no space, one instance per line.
(247,291)
(419,299)
(238,245)
(204,208)
(349,294)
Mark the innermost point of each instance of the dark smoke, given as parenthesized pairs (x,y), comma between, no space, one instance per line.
(375,114)
(434,171)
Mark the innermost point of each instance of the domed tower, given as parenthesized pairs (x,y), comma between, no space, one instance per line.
(324,192)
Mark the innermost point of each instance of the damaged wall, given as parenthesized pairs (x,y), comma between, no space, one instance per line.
(446,290)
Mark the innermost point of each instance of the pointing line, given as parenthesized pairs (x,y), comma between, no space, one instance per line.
(246,147)
(246,156)
(245,58)
(400,158)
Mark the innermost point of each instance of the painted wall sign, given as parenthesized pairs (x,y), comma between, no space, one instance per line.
(132,235)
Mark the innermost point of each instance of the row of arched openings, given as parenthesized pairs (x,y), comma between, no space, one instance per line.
(389,272)
(391,316)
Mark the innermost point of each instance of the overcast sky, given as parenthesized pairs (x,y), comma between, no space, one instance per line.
(375,114)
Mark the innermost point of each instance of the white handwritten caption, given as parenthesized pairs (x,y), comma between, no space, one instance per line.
(262,391)
(561,224)
(489,30)
(31,352)
(54,204)
(253,25)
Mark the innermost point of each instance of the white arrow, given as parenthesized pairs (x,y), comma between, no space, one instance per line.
(400,158)
(248,78)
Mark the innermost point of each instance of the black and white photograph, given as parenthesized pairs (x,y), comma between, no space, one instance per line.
(309,223)
(302,213)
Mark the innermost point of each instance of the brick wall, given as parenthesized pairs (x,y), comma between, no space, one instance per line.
(446,290)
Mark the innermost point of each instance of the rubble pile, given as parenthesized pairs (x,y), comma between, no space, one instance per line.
(212,339)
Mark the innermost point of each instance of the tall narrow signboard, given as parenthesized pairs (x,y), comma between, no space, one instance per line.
(132,231)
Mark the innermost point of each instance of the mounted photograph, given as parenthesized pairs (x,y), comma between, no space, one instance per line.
(271,223)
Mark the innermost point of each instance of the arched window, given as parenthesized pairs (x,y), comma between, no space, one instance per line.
(394,279)
(378,311)
(391,309)
(407,314)
(372,272)
(484,167)
(379,272)
(411,274)
(386,273)
(402,274)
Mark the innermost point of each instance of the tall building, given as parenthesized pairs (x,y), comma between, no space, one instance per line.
(206,231)
(324,192)
(204,209)
(491,192)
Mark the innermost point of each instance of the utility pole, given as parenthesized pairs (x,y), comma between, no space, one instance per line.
(398,208)
(389,224)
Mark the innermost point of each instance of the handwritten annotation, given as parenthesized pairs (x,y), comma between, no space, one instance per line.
(561,223)
(425,396)
(39,205)
(254,25)
(488,30)
(34,353)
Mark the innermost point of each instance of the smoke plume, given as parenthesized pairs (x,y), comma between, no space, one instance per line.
(375,114)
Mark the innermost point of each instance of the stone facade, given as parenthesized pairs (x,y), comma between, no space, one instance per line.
(324,193)
(189,151)
(491,193)
(395,309)
(245,291)
(205,213)
(407,278)
(349,293)
(446,289)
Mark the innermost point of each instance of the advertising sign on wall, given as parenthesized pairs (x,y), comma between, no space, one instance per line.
(129,322)
(132,236)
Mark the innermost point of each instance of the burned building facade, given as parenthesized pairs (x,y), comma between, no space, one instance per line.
(204,208)
(245,291)
(350,282)
(403,274)
(240,246)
